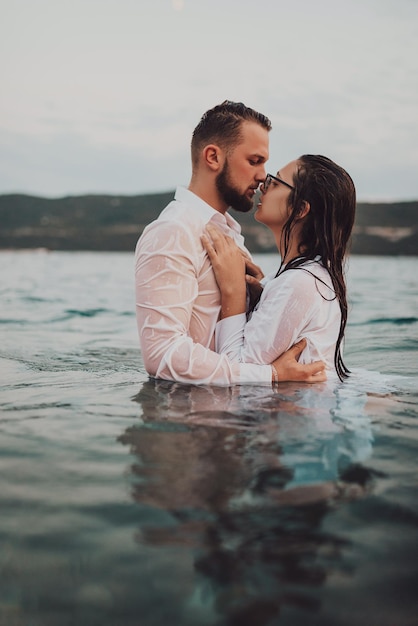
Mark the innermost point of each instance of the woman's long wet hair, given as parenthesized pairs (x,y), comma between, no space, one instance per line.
(326,229)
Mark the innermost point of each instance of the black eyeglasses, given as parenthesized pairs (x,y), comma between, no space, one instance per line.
(270,177)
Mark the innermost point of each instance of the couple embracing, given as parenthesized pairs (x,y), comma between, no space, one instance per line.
(205,312)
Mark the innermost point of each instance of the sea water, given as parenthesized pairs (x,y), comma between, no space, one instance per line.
(131,502)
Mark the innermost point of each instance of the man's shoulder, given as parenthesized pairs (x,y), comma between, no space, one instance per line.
(175,211)
(175,216)
(178,215)
(177,225)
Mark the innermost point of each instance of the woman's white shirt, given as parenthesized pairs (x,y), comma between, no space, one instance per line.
(293,305)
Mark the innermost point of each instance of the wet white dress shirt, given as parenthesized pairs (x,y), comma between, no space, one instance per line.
(293,305)
(178,300)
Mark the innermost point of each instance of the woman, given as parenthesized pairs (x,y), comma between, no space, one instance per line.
(309,206)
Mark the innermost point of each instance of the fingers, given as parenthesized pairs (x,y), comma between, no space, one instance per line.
(310,372)
(255,287)
(297,349)
(289,369)
(210,250)
(222,249)
(315,372)
(319,378)
(253,269)
(218,238)
(246,256)
(214,241)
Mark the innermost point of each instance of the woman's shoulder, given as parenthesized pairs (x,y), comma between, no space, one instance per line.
(303,273)
(304,278)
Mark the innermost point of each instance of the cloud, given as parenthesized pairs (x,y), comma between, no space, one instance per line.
(67,164)
(178,5)
(92,90)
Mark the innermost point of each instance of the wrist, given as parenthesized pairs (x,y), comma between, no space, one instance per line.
(233,305)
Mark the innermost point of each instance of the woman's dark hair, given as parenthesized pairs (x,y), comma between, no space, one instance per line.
(222,125)
(327,227)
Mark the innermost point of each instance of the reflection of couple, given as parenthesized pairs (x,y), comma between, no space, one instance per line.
(191,264)
(234,485)
(317,433)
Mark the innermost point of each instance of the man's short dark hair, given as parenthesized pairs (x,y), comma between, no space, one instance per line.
(222,125)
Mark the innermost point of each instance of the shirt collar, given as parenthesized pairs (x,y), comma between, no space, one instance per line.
(206,212)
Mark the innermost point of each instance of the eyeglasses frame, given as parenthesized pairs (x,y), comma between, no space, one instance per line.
(270,177)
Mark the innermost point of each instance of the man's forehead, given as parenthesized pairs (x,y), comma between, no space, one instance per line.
(254,139)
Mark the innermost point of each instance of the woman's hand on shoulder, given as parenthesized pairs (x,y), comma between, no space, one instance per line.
(228,264)
(226,257)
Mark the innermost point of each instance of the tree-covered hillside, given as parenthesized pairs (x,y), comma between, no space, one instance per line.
(104,222)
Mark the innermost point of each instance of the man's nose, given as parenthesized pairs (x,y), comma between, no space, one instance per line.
(261,174)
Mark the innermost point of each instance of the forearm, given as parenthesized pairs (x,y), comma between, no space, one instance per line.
(233,302)
(169,353)
(228,263)
(179,359)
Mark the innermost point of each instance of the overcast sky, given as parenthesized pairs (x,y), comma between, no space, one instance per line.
(101,96)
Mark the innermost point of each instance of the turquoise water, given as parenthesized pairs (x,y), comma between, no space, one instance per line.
(130,502)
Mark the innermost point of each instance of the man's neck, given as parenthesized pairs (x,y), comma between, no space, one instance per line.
(209,194)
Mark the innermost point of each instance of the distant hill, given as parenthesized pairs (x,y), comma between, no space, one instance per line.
(114,223)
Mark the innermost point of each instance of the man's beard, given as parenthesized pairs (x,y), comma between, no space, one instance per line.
(231,196)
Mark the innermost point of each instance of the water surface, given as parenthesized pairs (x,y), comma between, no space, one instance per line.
(126,501)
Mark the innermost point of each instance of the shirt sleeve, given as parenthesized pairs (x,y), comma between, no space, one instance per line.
(285,306)
(167,285)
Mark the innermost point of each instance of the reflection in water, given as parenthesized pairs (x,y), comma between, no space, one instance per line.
(246,477)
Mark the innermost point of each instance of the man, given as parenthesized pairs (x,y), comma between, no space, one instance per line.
(177,298)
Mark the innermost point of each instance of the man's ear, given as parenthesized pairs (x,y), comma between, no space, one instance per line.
(213,157)
(304,210)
